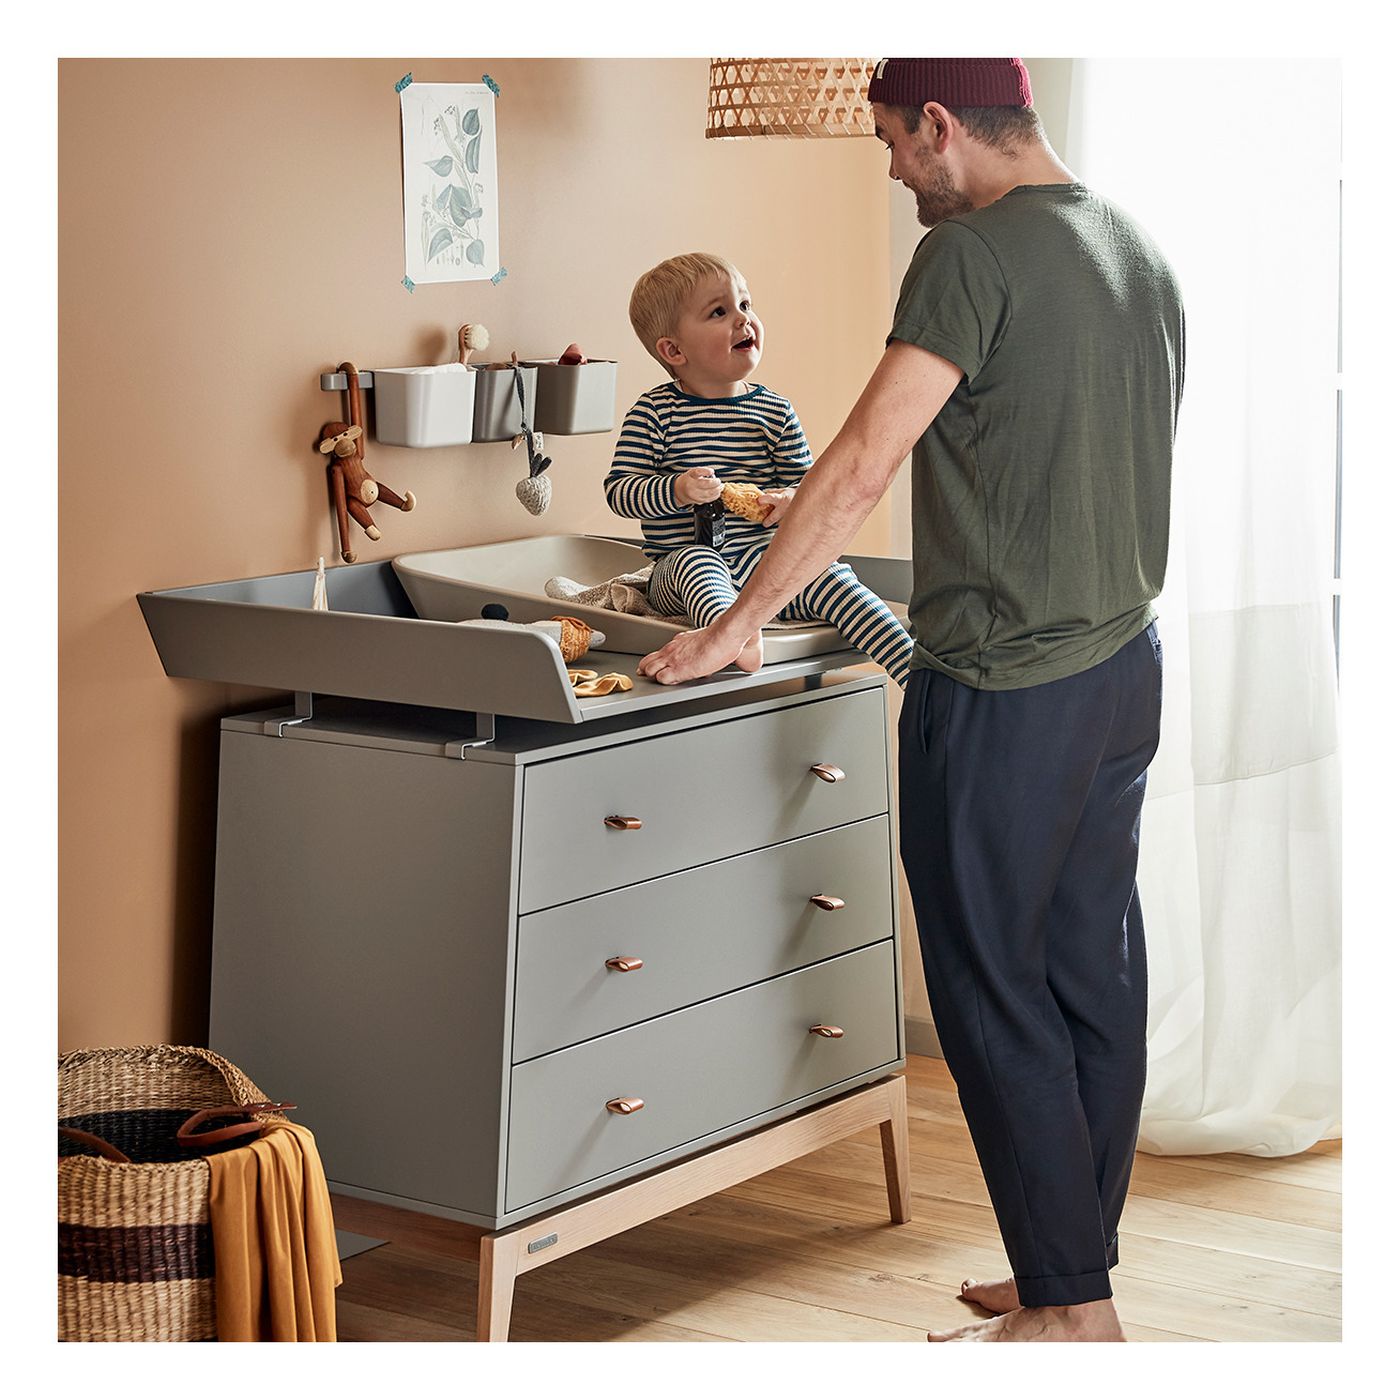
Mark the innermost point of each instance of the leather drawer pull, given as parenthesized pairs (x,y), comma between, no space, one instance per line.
(828,772)
(625,1105)
(623,823)
(624,964)
(829,1032)
(827,902)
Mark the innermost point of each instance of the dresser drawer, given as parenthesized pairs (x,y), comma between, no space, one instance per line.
(696,1072)
(699,796)
(698,934)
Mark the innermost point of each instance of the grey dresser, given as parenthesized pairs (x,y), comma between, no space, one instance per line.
(501,976)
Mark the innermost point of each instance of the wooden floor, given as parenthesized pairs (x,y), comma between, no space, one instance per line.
(1222,1248)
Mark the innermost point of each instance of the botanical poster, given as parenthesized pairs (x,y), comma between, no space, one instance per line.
(449,182)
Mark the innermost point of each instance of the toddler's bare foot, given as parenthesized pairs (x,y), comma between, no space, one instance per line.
(751,658)
(994,1297)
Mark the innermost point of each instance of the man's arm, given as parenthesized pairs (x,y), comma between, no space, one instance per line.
(909,387)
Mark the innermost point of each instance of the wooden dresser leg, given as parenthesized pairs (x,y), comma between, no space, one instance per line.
(496,1286)
(894,1140)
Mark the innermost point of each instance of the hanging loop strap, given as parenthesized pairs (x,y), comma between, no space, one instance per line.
(538,461)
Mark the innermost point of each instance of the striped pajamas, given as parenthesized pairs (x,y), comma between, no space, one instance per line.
(697,581)
(753,438)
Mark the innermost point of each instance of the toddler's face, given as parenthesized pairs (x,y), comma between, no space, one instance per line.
(719,335)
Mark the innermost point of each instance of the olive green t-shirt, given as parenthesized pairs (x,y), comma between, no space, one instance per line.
(1041,489)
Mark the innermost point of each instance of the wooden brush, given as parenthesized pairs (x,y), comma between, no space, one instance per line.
(470,339)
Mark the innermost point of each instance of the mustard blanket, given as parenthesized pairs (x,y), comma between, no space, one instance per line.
(275,1263)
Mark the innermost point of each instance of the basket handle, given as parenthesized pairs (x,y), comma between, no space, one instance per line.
(101,1145)
(188,1137)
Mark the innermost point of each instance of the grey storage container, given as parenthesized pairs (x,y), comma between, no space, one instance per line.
(497,405)
(575,398)
(432,406)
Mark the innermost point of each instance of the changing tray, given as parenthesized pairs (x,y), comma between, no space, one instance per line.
(370,645)
(451,585)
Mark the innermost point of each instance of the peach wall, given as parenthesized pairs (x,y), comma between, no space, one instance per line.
(231,228)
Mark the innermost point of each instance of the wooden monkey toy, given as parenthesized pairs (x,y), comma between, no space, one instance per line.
(353,489)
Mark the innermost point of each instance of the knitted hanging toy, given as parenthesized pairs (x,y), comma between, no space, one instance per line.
(532,491)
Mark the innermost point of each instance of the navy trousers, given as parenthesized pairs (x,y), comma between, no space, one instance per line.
(1019,814)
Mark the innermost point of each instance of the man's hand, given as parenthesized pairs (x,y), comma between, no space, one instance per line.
(690,655)
(777,502)
(698,487)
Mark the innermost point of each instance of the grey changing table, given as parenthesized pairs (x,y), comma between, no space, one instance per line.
(548,966)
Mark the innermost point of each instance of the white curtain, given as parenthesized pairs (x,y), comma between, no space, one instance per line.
(1241,855)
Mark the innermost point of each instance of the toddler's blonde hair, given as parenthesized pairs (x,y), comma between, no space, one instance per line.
(661,294)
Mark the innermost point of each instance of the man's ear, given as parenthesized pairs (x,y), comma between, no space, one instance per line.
(941,120)
(670,352)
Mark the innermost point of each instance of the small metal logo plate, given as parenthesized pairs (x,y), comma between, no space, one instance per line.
(543,1242)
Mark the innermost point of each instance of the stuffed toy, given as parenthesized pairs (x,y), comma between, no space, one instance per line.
(533,491)
(353,489)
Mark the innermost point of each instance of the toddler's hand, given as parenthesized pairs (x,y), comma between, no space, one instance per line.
(697,486)
(778,502)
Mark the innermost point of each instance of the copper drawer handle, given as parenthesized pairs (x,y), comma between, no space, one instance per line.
(625,1105)
(623,964)
(623,823)
(828,772)
(827,902)
(830,1032)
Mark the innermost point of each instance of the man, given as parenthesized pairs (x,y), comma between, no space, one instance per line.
(1034,367)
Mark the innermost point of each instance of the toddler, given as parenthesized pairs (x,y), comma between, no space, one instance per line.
(708,425)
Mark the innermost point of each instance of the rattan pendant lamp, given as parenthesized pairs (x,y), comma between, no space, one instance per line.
(790,97)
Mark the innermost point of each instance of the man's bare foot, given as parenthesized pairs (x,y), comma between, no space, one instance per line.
(751,658)
(1083,1322)
(993,1297)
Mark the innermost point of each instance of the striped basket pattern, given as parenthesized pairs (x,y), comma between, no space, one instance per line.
(135,1253)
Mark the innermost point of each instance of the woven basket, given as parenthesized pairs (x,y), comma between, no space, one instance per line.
(135,1254)
(790,97)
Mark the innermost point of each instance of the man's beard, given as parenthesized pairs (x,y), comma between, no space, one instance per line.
(940,199)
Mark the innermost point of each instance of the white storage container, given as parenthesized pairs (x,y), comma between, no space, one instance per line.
(498,408)
(426,406)
(575,398)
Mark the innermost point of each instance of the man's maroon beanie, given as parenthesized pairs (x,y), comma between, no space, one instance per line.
(954,82)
